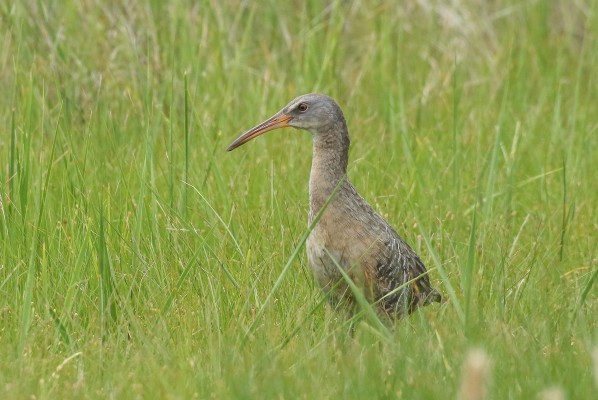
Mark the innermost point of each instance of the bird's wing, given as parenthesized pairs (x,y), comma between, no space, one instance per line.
(397,265)
(394,263)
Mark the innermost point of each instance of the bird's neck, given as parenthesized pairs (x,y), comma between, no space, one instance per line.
(329,164)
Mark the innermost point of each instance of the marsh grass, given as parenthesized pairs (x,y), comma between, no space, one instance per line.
(139,259)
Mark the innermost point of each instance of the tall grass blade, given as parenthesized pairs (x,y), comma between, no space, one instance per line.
(467,277)
(363,303)
(567,212)
(186,129)
(443,273)
(108,311)
(289,262)
(26,306)
(224,224)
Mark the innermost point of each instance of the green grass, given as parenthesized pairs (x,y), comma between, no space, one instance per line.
(139,259)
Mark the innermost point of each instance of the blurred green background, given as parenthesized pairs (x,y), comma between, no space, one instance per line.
(137,255)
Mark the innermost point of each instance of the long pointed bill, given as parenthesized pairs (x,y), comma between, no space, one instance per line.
(279,120)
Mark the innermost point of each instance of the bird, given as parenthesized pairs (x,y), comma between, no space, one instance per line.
(349,234)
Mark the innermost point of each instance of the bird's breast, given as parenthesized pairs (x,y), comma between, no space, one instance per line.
(339,241)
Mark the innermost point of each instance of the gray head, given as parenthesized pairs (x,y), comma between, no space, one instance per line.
(314,112)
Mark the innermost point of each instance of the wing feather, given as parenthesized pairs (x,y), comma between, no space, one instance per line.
(397,265)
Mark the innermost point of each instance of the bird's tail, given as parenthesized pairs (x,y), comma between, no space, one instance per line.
(423,293)
(432,297)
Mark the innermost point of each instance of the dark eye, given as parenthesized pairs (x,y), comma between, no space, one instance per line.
(302,107)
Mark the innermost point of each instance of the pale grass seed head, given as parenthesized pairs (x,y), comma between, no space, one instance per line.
(474,376)
(552,393)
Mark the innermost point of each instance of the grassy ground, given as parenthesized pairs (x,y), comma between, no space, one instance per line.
(138,259)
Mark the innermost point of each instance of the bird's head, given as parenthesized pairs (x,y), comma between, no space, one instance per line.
(314,112)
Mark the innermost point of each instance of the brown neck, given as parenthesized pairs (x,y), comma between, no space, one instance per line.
(329,164)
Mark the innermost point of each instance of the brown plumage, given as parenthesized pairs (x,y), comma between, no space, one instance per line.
(349,234)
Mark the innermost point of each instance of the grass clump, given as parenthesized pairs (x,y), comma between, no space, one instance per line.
(139,259)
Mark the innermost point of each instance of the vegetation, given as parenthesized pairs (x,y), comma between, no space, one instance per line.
(139,259)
